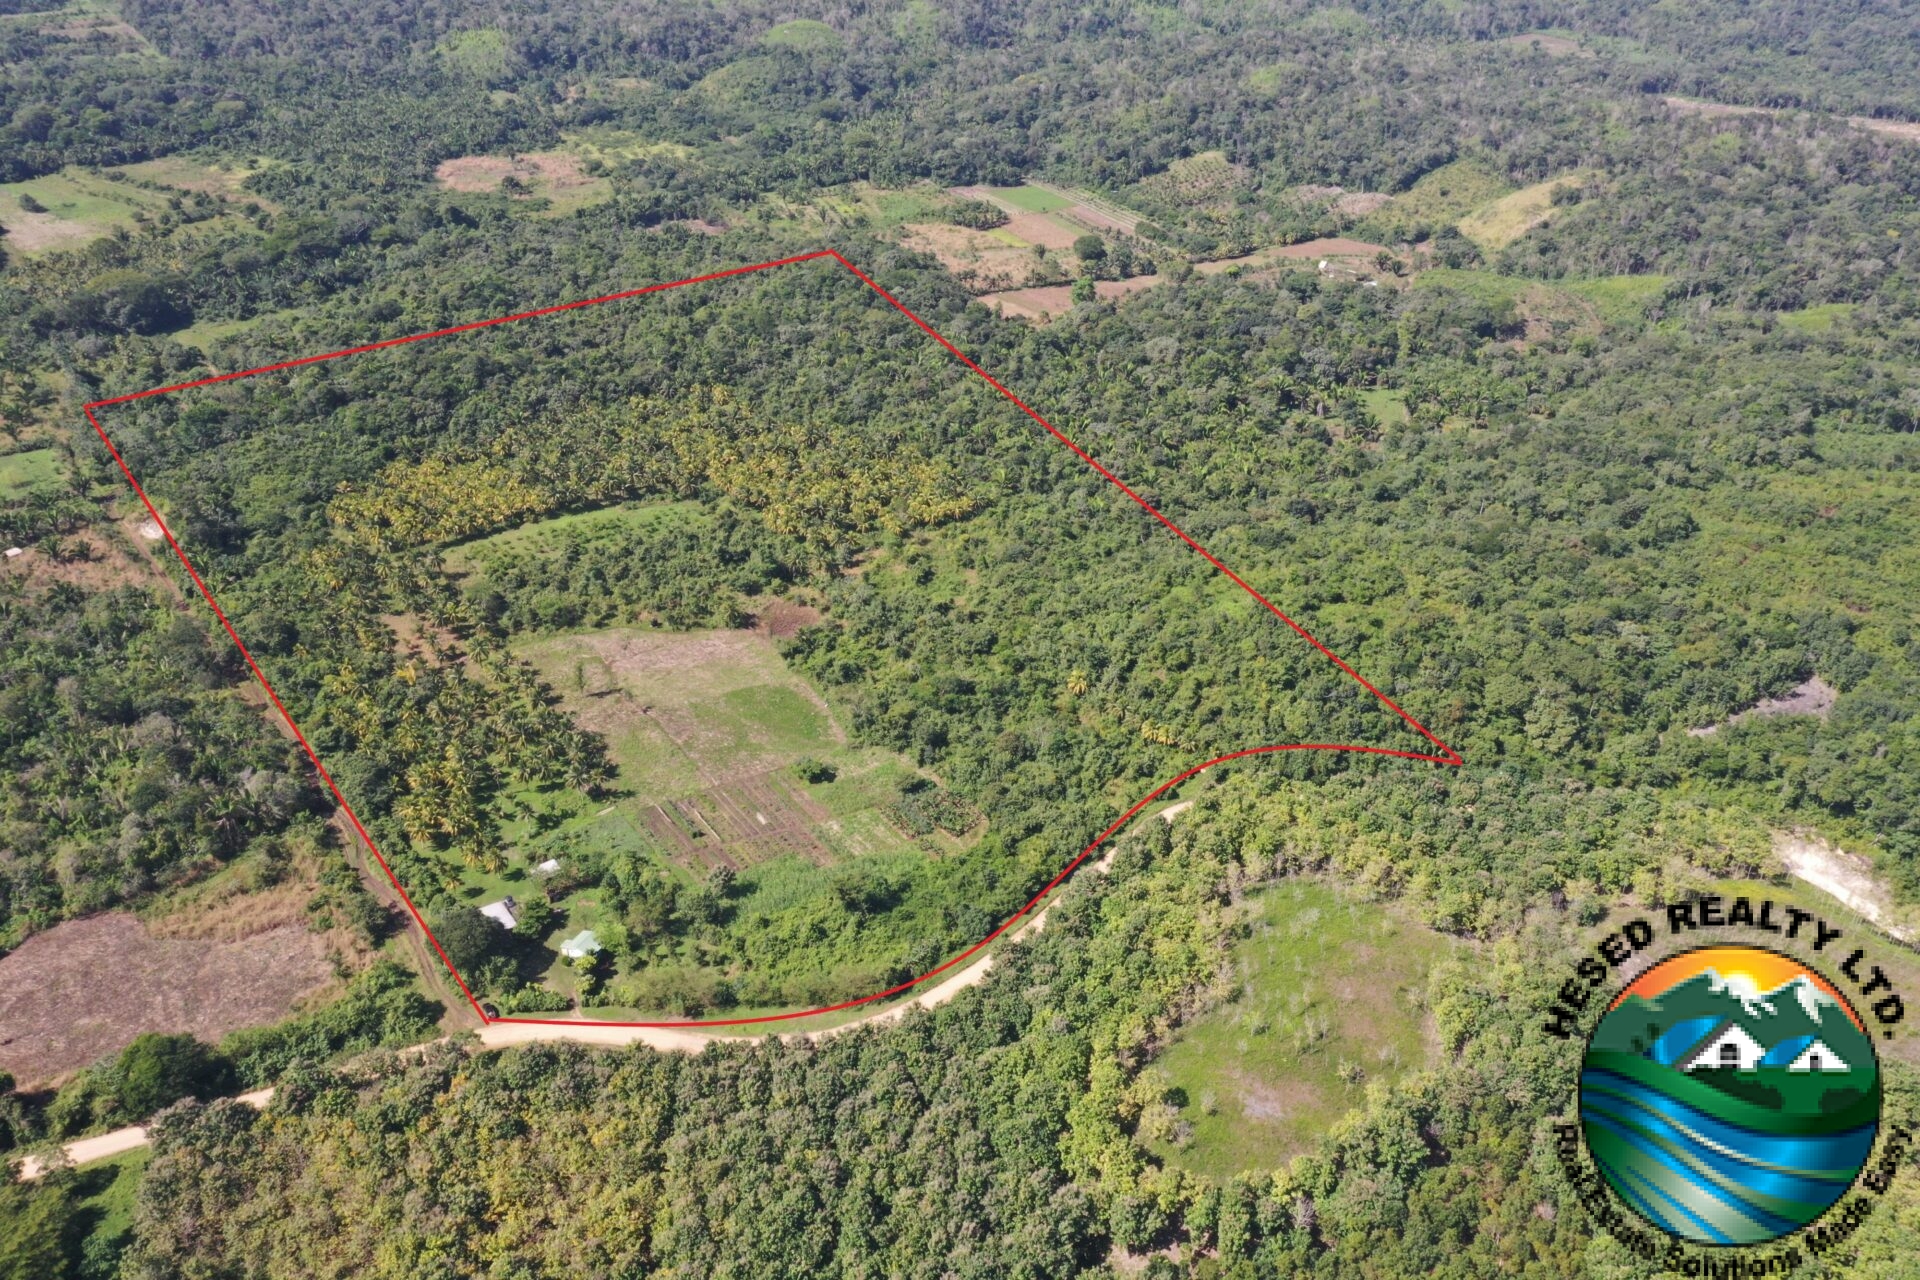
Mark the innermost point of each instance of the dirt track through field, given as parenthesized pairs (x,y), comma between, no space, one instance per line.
(506,1035)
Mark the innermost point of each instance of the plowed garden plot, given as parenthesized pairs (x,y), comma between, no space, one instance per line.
(86,988)
(704,728)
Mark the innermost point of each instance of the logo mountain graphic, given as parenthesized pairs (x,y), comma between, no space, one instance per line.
(1725,1113)
(1750,1031)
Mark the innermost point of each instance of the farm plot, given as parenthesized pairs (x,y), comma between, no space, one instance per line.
(982,260)
(84,989)
(68,209)
(556,176)
(704,728)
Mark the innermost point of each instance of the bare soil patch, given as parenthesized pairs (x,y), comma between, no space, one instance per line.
(780,619)
(978,260)
(1907,130)
(90,560)
(1260,1100)
(1057,299)
(34,232)
(1714,110)
(1552,46)
(1842,875)
(84,989)
(559,169)
(1041,229)
(1358,204)
(1813,697)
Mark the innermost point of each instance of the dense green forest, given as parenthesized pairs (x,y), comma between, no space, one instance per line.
(1572,491)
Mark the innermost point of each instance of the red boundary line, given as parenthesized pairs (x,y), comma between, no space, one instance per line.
(1448,757)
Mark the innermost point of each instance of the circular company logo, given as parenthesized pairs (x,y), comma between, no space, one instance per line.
(1730,1095)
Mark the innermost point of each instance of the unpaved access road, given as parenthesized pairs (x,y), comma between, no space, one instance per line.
(504,1035)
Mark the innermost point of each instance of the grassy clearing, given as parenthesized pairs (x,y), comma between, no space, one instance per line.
(1032,199)
(616,146)
(214,175)
(1498,224)
(22,473)
(803,35)
(1332,994)
(480,52)
(1815,319)
(204,332)
(78,209)
(1385,404)
(687,712)
(1440,198)
(1620,299)
(544,537)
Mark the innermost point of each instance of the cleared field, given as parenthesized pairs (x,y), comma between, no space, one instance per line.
(548,536)
(1203,180)
(1553,46)
(703,728)
(980,260)
(1305,251)
(1332,995)
(1815,319)
(202,332)
(1499,223)
(1385,404)
(94,25)
(1029,199)
(1057,299)
(22,473)
(558,177)
(213,175)
(1442,196)
(76,209)
(84,989)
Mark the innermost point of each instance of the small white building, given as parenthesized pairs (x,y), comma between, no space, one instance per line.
(504,912)
(1730,1046)
(1818,1057)
(581,944)
(548,867)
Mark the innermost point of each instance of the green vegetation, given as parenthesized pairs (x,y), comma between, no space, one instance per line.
(1495,226)
(1815,319)
(1032,199)
(73,1226)
(127,761)
(1565,494)
(70,209)
(1440,198)
(1325,997)
(803,35)
(21,473)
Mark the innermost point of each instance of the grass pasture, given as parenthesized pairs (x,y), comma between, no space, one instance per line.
(212,175)
(1499,223)
(22,473)
(802,35)
(79,209)
(202,333)
(1331,996)
(555,182)
(1441,196)
(1031,199)
(1385,404)
(703,728)
(543,537)
(1815,319)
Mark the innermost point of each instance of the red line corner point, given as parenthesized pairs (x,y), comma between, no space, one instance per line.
(1447,755)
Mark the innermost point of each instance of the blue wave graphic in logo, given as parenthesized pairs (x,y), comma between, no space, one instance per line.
(1704,1178)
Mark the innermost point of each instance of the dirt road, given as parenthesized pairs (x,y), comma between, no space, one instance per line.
(503,1035)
